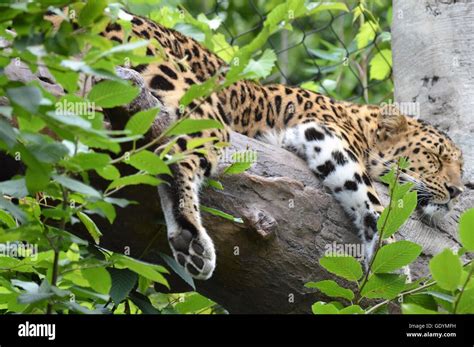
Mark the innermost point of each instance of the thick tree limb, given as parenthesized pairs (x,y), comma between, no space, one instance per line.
(290,221)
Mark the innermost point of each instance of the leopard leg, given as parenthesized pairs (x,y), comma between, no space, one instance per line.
(191,245)
(330,157)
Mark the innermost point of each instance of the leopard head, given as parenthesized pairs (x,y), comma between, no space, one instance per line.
(436,163)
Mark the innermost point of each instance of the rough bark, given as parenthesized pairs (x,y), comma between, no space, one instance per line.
(290,221)
(433,43)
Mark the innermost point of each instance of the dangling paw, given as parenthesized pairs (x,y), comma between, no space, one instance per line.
(195,253)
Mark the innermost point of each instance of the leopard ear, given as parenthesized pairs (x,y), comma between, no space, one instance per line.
(391,122)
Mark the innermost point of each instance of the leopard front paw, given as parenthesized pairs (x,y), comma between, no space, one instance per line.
(194,252)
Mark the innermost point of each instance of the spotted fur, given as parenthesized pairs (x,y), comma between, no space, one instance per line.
(345,144)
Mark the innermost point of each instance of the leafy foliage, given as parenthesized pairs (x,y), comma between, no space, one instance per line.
(61,272)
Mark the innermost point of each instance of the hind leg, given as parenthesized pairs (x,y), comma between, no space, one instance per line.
(191,245)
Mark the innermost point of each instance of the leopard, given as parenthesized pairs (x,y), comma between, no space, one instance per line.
(348,146)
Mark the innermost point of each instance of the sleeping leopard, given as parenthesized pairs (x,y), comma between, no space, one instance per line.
(348,146)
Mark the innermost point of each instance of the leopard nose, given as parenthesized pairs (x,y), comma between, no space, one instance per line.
(454,191)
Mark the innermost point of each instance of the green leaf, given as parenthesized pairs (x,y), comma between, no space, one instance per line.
(7,134)
(109,94)
(394,256)
(108,172)
(123,281)
(27,97)
(237,168)
(7,219)
(8,263)
(38,177)
(141,121)
(29,286)
(126,47)
(173,264)
(194,143)
(150,271)
(323,308)
(214,184)
(446,269)
(424,300)
(81,292)
(466,302)
(149,162)
(99,279)
(143,303)
(134,180)
(90,160)
(332,289)
(190,126)
(353,309)
(315,7)
(14,210)
(261,68)
(35,293)
(385,286)
(336,56)
(35,181)
(67,119)
(67,79)
(14,188)
(346,267)
(381,65)
(415,309)
(282,13)
(403,163)
(466,229)
(45,151)
(77,186)
(30,298)
(400,211)
(193,303)
(222,214)
(120,202)
(104,209)
(366,34)
(90,226)
(222,48)
(76,308)
(197,91)
(91,11)
(439,295)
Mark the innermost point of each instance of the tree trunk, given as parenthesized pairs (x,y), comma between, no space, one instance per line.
(433,44)
(289,222)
